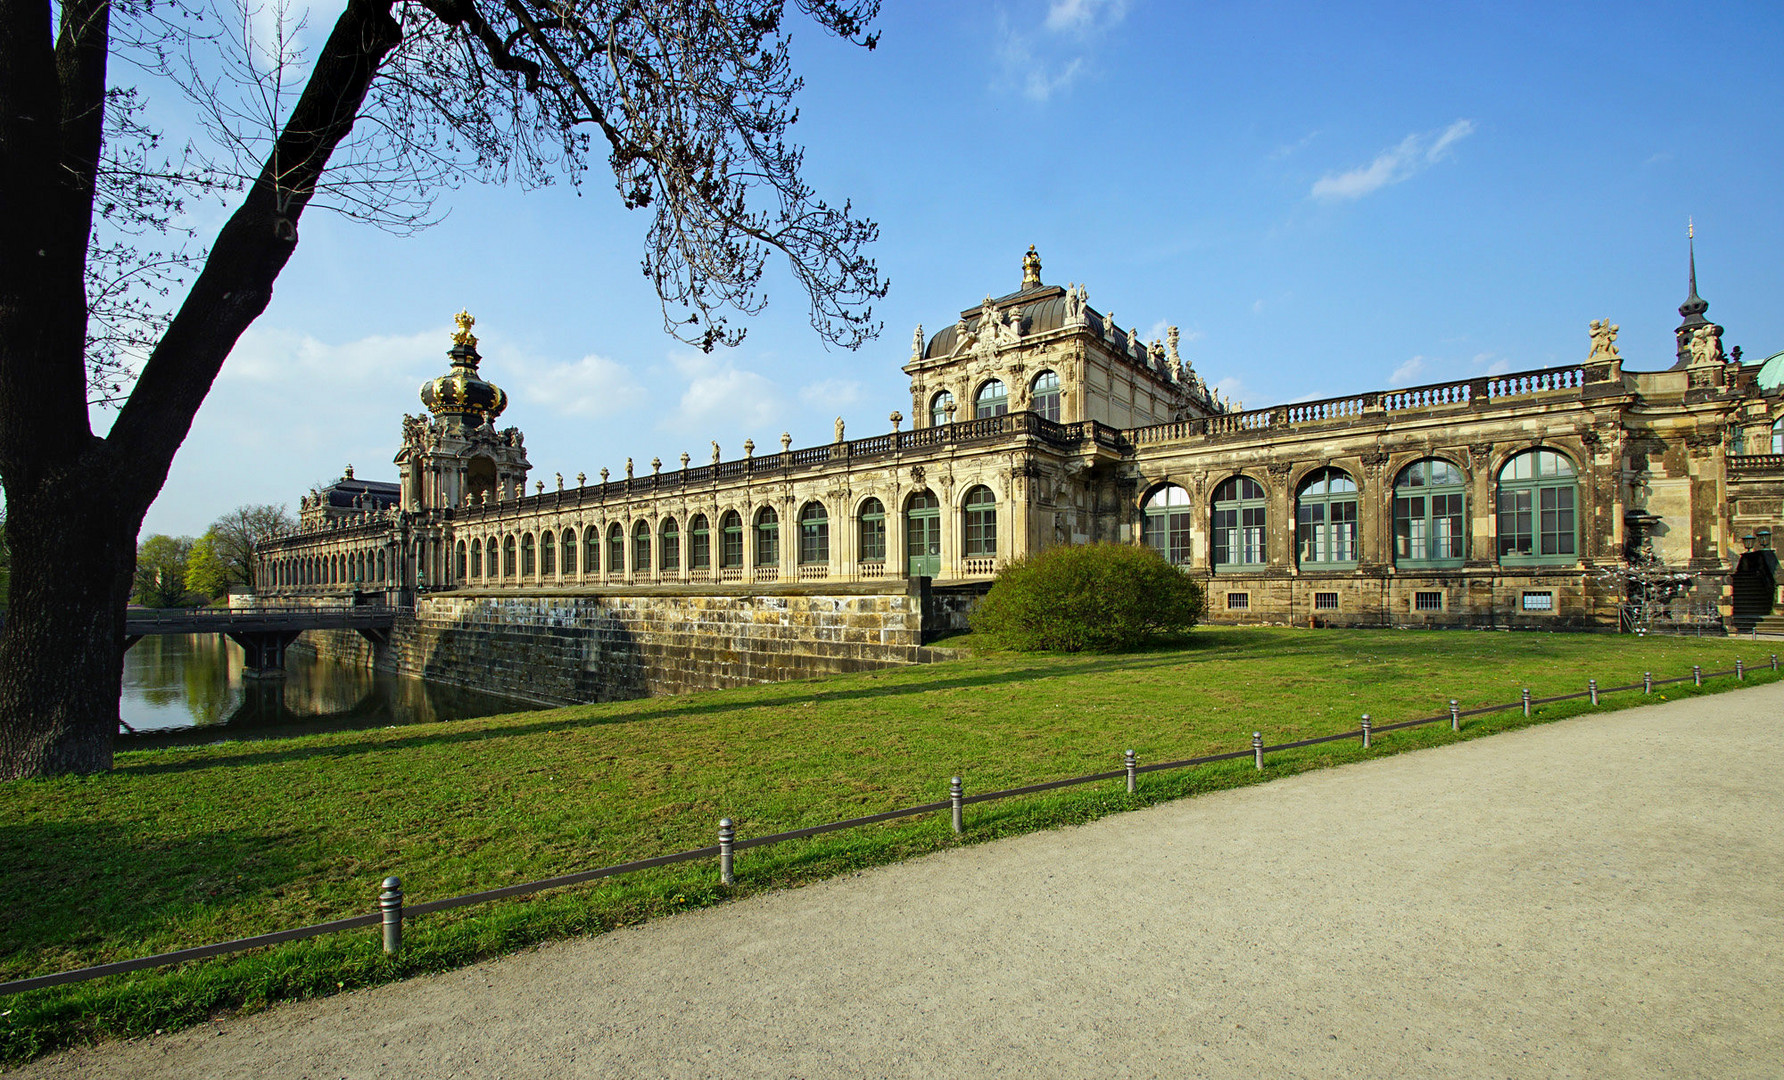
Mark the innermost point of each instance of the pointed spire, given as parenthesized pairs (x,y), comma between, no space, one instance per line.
(1693,308)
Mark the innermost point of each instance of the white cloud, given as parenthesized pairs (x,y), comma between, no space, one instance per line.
(1257,306)
(831,394)
(591,388)
(1407,372)
(721,396)
(1413,155)
(1047,62)
(1290,149)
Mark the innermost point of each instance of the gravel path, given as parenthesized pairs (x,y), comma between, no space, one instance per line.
(1595,897)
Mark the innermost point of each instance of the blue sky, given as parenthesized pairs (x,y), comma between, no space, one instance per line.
(1326,198)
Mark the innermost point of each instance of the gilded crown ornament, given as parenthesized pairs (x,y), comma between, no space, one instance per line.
(463,336)
(1031,268)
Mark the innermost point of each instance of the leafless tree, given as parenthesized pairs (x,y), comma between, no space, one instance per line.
(103,297)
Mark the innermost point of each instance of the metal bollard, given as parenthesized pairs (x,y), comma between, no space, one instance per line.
(1128,760)
(1697,674)
(955,795)
(1592,687)
(1739,671)
(1455,715)
(726,834)
(1774,661)
(1257,748)
(1526,701)
(390,902)
(1647,682)
(1365,731)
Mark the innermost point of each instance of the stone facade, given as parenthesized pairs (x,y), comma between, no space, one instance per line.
(1553,498)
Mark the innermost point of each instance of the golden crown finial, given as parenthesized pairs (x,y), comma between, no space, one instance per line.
(1031,268)
(1690,229)
(464,335)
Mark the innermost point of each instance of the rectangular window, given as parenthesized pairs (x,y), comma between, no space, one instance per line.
(1325,601)
(1238,601)
(814,542)
(700,549)
(1539,601)
(1427,601)
(873,539)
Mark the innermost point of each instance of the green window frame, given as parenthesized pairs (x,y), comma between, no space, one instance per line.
(463,560)
(567,541)
(873,532)
(1430,514)
(669,546)
(1538,509)
(993,399)
(814,534)
(699,543)
(1326,519)
(547,554)
(477,559)
(591,554)
(731,535)
(980,510)
(1044,395)
(508,556)
(767,537)
(938,408)
(1166,521)
(616,548)
(526,555)
(1241,525)
(641,547)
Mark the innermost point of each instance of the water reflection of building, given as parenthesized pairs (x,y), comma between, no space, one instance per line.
(1500,500)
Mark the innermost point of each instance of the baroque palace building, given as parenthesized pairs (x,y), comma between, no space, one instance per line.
(1541,498)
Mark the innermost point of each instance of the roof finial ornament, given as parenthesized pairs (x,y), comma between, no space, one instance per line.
(464,336)
(1031,269)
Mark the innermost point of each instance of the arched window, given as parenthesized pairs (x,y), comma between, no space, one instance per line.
(1239,518)
(567,544)
(669,550)
(1045,392)
(873,532)
(1537,498)
(1778,436)
(616,549)
(382,576)
(476,559)
(814,534)
(591,551)
(992,400)
(547,554)
(981,523)
(508,555)
(1326,519)
(463,560)
(1165,522)
(767,537)
(1429,525)
(938,408)
(699,544)
(641,547)
(526,555)
(731,540)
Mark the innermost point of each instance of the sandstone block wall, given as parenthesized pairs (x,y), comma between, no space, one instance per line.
(562,648)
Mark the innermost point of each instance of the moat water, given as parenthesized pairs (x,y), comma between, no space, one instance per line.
(190,688)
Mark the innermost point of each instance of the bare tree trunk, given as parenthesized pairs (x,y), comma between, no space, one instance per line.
(62,651)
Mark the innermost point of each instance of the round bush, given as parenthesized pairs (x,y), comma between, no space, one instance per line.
(1097,597)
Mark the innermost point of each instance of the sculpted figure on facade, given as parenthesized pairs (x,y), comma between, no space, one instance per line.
(917,343)
(1604,340)
(839,429)
(715,452)
(1706,345)
(1076,303)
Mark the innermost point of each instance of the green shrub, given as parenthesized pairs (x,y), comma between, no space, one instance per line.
(1098,597)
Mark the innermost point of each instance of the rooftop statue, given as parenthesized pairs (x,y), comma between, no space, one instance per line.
(464,336)
(1604,340)
(1706,345)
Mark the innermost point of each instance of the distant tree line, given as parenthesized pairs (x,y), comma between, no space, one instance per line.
(185,571)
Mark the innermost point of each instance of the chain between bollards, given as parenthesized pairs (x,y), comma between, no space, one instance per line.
(1127,759)
(1592,687)
(1647,682)
(1455,715)
(1257,748)
(727,834)
(955,796)
(390,902)
(1365,731)
(1697,674)
(1526,701)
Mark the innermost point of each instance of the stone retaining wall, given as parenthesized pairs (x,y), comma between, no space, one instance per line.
(564,646)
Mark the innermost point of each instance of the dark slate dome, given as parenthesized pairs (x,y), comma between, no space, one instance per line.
(1043,310)
(461,393)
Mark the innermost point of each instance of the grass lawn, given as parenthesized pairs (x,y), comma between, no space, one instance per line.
(181,847)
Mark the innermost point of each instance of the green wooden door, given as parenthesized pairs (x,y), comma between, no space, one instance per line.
(923,535)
